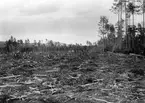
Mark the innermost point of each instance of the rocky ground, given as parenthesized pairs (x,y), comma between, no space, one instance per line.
(72,78)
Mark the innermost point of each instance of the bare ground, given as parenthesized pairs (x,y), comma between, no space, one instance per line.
(72,78)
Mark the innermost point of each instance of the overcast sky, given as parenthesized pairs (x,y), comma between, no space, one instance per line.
(68,21)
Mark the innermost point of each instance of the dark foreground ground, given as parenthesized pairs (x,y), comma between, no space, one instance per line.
(72,78)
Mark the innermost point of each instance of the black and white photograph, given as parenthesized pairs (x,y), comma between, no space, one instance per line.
(72,51)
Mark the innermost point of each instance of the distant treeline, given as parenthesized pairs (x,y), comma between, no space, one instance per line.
(13,45)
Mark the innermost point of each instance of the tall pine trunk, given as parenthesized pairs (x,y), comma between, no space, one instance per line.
(120,45)
(126,27)
(133,33)
(143,22)
(103,37)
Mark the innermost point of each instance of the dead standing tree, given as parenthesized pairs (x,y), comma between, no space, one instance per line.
(102,29)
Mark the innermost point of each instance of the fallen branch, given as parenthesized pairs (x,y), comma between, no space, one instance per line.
(8,85)
(69,100)
(88,84)
(99,99)
(8,77)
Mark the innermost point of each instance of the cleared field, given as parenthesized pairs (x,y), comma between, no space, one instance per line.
(72,78)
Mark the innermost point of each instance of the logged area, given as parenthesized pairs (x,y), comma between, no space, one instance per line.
(50,62)
(72,78)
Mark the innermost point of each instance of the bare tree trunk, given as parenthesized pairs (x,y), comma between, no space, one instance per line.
(103,38)
(143,22)
(133,33)
(133,19)
(126,27)
(143,19)
(120,46)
